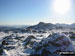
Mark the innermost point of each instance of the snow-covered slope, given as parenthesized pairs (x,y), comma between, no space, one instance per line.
(37,44)
(54,44)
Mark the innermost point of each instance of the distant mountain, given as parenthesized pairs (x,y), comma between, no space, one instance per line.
(72,25)
(49,26)
(13,27)
(42,26)
(63,25)
(6,28)
(66,25)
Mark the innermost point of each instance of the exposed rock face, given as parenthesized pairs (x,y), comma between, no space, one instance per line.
(72,36)
(1,49)
(29,41)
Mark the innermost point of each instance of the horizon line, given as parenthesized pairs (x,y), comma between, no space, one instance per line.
(31,24)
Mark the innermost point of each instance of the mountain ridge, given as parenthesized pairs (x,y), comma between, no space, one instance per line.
(49,26)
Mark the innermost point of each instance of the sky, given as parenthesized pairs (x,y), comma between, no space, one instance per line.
(30,12)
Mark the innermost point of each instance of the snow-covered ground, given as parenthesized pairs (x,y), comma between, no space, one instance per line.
(23,44)
(2,35)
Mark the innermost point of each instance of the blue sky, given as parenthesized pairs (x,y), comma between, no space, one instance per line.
(30,12)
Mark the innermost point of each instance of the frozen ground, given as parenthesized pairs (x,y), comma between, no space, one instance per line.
(23,44)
